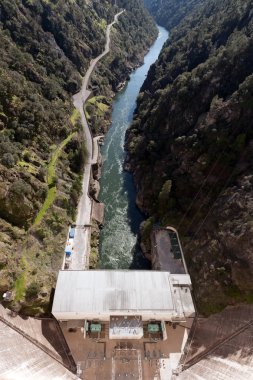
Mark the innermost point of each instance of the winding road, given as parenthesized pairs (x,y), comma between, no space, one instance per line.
(80,256)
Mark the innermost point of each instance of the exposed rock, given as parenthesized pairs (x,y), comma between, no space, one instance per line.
(98,210)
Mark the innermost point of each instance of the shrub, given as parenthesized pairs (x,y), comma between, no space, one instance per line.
(32,291)
(20,188)
(8,160)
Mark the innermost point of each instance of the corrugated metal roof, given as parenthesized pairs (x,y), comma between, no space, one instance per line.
(108,291)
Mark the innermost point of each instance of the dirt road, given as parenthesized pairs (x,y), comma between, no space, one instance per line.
(80,256)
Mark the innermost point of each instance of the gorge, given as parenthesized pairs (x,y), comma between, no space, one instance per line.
(190,144)
(173,119)
(122,218)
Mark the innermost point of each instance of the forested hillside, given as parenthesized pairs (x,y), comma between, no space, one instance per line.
(130,40)
(45,48)
(191,143)
(169,13)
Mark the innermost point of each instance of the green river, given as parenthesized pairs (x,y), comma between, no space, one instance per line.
(119,247)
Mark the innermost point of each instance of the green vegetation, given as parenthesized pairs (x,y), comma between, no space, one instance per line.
(45,49)
(74,117)
(30,168)
(32,290)
(130,39)
(146,229)
(94,243)
(93,259)
(102,24)
(96,111)
(20,287)
(51,194)
(55,157)
(208,308)
(87,115)
(169,13)
(100,103)
(20,283)
(164,198)
(190,144)
(51,181)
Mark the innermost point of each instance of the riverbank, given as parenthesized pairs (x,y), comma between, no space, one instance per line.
(119,238)
(87,222)
(86,237)
(80,257)
(95,104)
(98,207)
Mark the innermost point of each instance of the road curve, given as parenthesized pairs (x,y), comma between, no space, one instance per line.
(81,251)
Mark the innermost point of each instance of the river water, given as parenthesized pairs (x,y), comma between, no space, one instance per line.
(119,248)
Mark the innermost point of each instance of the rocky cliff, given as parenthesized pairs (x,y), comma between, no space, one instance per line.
(190,147)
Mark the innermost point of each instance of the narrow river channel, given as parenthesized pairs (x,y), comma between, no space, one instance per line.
(118,240)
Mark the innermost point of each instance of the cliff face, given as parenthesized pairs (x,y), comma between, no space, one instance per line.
(46,47)
(190,147)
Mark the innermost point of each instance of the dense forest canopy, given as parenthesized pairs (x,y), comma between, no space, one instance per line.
(45,48)
(169,13)
(190,145)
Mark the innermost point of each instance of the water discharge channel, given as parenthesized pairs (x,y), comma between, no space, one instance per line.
(118,240)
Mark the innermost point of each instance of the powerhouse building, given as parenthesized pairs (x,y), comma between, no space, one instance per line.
(125,299)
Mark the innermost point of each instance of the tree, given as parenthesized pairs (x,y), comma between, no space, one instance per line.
(8,160)
(163,199)
(32,290)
